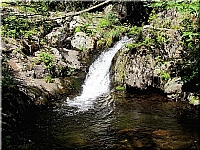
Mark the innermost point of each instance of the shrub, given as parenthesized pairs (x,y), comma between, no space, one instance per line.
(47,59)
(49,79)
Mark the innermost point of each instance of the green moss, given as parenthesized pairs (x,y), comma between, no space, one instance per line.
(82,48)
(164,75)
(36,61)
(130,46)
(70,71)
(194,100)
(48,79)
(134,31)
(120,88)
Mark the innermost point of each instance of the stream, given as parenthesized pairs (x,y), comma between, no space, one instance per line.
(99,118)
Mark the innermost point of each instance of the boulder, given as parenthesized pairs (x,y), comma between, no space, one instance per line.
(82,42)
(56,54)
(72,58)
(139,71)
(15,65)
(173,88)
(40,72)
(59,37)
(76,21)
(53,37)
(151,62)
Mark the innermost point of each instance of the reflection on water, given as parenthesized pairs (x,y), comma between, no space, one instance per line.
(117,122)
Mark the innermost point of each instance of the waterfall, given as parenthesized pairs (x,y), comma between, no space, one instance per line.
(97,81)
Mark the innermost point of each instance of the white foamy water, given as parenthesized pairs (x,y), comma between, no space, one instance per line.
(97,81)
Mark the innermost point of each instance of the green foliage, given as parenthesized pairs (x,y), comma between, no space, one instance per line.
(181,6)
(158,61)
(110,35)
(7,80)
(109,20)
(104,23)
(194,100)
(134,31)
(7,140)
(47,58)
(70,71)
(130,46)
(16,27)
(164,75)
(82,48)
(107,27)
(190,42)
(78,29)
(188,12)
(48,79)
(119,88)
(84,28)
(39,7)
(148,42)
(161,39)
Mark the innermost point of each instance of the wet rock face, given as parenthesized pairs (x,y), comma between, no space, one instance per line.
(173,87)
(152,64)
(139,70)
(149,68)
(117,71)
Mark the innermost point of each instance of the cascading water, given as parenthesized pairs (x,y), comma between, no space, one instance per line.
(97,80)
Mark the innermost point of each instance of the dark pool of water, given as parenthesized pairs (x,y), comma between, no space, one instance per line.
(117,121)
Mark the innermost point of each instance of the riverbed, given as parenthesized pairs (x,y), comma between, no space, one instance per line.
(116,121)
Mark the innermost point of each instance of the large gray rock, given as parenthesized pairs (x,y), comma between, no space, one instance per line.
(56,54)
(153,63)
(139,71)
(53,37)
(72,58)
(117,69)
(40,72)
(77,21)
(173,86)
(59,38)
(82,41)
